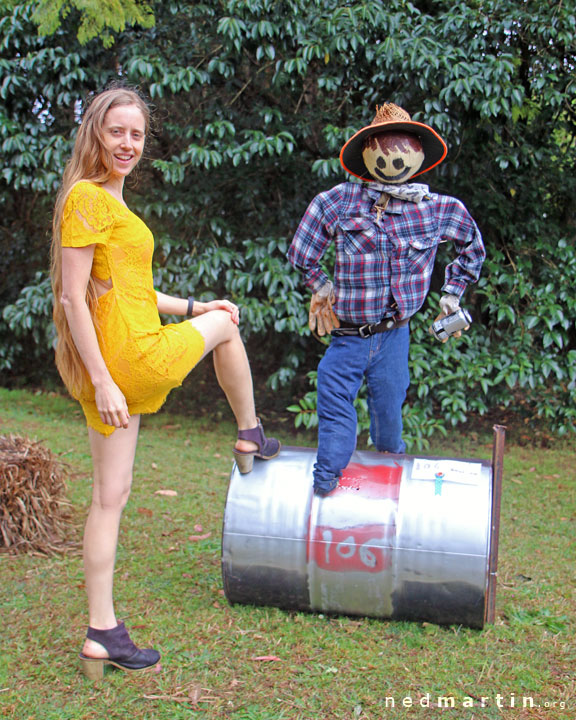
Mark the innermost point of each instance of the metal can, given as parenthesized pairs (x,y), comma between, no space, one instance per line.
(402,537)
(447,326)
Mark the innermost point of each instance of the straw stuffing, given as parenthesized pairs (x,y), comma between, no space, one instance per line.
(34,513)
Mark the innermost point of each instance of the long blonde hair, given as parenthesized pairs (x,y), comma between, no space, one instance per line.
(92,162)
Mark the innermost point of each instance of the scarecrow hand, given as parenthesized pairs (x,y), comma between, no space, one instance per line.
(449,304)
(321,316)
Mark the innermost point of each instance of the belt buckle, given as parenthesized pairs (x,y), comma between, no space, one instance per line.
(365,331)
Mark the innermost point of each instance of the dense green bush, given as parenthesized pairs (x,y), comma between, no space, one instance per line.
(253,100)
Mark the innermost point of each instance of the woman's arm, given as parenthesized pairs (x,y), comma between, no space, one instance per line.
(170,305)
(76,268)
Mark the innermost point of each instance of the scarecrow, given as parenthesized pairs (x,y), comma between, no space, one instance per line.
(386,231)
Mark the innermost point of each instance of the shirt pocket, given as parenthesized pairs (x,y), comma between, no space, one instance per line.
(359,235)
(422,252)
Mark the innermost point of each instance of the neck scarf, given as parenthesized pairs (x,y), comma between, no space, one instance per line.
(413,192)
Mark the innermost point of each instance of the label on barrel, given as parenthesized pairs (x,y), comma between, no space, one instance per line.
(449,470)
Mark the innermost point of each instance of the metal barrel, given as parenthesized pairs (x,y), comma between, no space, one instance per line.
(402,537)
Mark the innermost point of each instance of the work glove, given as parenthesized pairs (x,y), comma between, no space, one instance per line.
(449,304)
(321,317)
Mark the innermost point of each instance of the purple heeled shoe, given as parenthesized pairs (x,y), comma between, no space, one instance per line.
(268,448)
(122,653)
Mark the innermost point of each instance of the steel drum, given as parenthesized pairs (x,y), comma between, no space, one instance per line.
(402,537)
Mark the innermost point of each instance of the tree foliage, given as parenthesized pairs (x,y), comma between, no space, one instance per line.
(97,17)
(253,101)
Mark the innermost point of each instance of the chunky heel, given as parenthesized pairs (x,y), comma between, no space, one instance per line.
(92,668)
(245,462)
(268,448)
(122,653)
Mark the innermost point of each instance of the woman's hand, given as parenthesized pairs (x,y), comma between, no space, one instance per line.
(111,404)
(200,308)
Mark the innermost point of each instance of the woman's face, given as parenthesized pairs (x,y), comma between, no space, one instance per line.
(393,157)
(124,132)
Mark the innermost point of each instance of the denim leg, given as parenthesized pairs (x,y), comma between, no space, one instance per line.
(388,379)
(340,374)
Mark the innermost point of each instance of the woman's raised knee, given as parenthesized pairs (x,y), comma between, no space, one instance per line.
(216,327)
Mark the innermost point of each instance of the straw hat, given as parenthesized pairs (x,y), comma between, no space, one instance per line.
(391,117)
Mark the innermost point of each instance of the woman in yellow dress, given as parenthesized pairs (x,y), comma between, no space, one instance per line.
(114,354)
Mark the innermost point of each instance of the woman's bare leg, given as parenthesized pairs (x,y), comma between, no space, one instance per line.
(113,461)
(222,337)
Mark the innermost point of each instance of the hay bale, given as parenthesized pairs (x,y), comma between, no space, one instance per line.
(34,515)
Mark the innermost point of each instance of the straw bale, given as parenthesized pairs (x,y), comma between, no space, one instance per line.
(34,513)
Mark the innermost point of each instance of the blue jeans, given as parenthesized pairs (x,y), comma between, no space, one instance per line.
(383,360)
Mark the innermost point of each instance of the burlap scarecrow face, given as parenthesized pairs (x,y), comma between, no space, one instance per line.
(392,157)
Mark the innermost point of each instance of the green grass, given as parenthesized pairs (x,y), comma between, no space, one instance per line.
(169,591)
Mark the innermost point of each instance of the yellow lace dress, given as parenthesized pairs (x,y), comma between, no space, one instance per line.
(145,358)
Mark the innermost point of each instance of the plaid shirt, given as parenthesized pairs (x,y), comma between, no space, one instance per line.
(384,267)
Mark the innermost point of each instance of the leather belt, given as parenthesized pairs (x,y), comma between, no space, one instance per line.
(368,329)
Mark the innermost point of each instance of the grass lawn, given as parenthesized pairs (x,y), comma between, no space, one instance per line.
(169,591)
